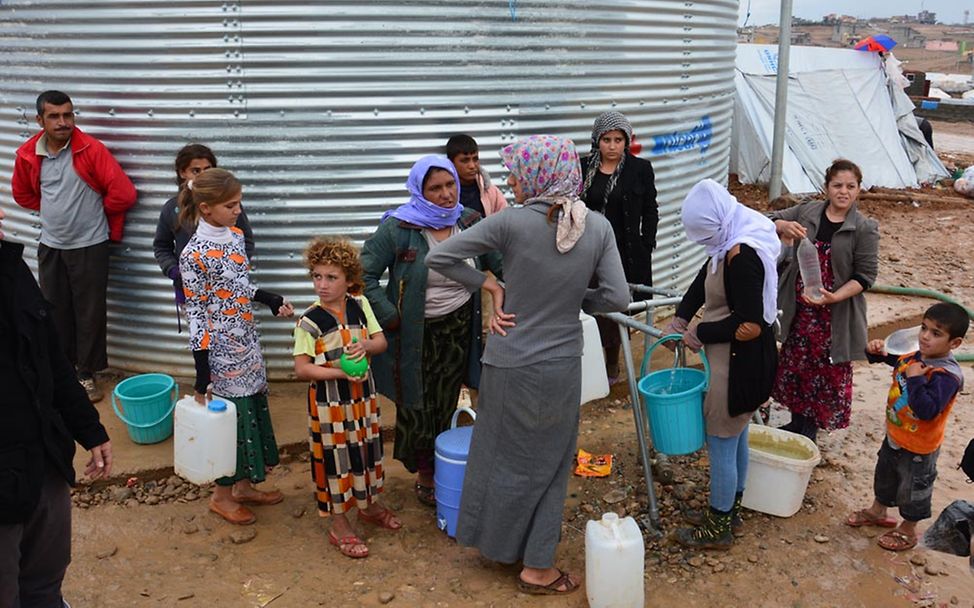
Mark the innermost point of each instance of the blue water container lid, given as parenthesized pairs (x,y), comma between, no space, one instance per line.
(455,443)
(217,406)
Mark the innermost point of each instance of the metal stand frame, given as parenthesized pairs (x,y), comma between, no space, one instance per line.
(651,522)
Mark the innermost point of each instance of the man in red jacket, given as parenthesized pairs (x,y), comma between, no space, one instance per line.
(82,195)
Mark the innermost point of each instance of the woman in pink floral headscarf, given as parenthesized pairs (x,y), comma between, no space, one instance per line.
(524,440)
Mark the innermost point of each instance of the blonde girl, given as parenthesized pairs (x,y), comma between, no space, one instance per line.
(343,415)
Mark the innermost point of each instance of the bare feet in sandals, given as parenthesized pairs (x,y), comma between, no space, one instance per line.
(343,536)
(546,581)
(903,538)
(866,517)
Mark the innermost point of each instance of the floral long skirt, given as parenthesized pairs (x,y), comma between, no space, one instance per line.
(808,383)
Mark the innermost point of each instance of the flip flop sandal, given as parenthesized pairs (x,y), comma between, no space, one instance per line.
(894,540)
(551,588)
(426,495)
(346,545)
(384,519)
(863,518)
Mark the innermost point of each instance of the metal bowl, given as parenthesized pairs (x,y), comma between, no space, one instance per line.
(903,341)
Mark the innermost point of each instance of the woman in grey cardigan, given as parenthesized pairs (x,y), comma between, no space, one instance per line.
(822,336)
(524,440)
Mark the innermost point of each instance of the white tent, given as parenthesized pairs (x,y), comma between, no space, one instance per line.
(841,104)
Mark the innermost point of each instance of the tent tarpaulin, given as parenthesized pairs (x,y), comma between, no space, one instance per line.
(841,104)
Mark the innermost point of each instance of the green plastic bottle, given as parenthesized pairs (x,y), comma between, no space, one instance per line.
(351,367)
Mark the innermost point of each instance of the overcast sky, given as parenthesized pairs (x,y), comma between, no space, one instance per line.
(769,11)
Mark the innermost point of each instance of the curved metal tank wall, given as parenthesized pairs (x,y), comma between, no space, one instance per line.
(320,109)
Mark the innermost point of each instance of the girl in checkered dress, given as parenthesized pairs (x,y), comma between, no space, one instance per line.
(343,415)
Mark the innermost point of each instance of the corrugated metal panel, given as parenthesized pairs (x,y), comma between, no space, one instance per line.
(321,108)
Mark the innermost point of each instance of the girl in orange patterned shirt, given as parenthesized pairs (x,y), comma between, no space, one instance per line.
(223,337)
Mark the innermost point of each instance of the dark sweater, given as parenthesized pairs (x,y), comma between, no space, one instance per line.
(171,237)
(753,363)
(44,410)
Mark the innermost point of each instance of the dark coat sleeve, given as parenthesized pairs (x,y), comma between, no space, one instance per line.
(650,208)
(70,399)
(164,242)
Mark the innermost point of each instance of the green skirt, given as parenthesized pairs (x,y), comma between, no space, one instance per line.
(256,446)
(446,349)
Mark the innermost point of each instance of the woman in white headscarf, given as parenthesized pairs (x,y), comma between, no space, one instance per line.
(738,286)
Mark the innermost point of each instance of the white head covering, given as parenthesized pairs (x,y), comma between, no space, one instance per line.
(713,218)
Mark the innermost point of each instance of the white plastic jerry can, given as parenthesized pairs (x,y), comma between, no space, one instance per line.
(205,440)
(614,561)
(595,384)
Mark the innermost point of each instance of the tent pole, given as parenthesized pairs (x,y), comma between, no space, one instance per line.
(780,100)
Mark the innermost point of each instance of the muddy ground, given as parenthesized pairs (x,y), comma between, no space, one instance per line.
(128,552)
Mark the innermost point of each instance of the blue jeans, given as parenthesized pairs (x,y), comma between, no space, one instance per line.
(728,468)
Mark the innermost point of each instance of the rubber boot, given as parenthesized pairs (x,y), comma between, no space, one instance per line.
(713,533)
(697,517)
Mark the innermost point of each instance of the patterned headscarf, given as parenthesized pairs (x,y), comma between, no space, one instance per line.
(546,167)
(712,217)
(607,121)
(420,211)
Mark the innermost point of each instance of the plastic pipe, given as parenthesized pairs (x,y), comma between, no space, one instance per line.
(919,292)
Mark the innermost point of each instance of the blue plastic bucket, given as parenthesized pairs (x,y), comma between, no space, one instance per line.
(147,403)
(452,448)
(674,404)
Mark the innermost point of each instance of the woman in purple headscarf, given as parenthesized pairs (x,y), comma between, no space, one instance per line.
(433,323)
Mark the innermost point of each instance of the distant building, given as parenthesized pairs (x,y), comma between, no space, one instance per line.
(842,31)
(908,37)
(927,17)
(801,38)
(942,45)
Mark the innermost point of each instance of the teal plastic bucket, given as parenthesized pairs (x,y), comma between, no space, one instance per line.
(147,403)
(674,404)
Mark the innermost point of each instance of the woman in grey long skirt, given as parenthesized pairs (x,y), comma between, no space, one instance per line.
(524,440)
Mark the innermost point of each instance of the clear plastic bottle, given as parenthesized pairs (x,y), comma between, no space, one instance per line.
(810,269)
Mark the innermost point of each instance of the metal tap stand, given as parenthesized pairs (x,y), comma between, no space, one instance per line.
(625,323)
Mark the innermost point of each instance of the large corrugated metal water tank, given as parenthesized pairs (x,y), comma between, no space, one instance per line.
(321,108)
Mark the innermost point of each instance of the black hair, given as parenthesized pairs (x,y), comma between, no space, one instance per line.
(188,154)
(841,164)
(461,144)
(55,98)
(429,173)
(953,318)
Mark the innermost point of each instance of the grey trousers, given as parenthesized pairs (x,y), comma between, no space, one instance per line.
(75,282)
(34,555)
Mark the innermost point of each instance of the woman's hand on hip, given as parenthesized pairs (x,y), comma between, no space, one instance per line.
(500,319)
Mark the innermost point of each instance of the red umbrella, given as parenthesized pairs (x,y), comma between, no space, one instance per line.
(879,43)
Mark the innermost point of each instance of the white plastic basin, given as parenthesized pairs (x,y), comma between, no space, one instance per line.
(778,472)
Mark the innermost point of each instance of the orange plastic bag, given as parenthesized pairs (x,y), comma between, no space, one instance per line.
(593,465)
